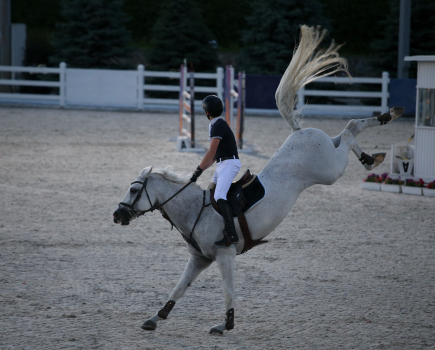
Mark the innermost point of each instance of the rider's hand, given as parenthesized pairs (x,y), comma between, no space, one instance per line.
(196,174)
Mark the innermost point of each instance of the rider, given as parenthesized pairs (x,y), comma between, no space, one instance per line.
(223,150)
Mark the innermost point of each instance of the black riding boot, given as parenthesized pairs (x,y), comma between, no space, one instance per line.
(231,234)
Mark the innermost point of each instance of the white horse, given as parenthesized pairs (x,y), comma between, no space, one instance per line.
(307,157)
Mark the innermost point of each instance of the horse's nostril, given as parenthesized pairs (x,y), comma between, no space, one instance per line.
(115,214)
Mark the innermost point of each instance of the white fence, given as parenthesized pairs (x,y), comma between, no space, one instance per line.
(104,87)
(128,89)
(319,108)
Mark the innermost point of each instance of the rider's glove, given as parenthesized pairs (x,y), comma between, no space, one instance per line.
(196,174)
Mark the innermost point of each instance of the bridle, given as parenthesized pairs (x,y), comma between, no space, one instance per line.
(129,208)
(134,212)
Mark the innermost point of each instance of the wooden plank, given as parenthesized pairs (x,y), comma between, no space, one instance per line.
(29,96)
(342,93)
(29,83)
(40,70)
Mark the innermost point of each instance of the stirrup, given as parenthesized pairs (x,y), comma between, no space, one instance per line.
(227,241)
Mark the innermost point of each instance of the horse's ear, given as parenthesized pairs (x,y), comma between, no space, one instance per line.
(146,172)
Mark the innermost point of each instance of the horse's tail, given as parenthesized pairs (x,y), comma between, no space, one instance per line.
(306,66)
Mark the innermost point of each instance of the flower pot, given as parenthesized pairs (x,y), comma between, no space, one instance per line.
(391,188)
(412,190)
(429,192)
(371,186)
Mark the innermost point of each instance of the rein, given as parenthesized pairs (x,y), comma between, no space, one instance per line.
(139,195)
(134,213)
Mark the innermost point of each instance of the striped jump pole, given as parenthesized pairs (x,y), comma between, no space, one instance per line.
(187,105)
(231,96)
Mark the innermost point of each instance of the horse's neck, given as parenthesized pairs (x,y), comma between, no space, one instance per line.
(182,208)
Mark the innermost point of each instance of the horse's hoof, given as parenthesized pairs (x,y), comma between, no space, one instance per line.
(149,325)
(397,111)
(379,158)
(216,331)
(371,162)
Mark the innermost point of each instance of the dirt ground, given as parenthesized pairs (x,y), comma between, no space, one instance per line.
(346,269)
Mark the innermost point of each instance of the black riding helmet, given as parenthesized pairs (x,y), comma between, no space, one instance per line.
(213,105)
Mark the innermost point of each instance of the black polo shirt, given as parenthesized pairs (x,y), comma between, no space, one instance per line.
(227,146)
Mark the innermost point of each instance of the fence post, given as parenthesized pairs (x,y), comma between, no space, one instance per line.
(219,82)
(140,86)
(301,98)
(62,82)
(385,94)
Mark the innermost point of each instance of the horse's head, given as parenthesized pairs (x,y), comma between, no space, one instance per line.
(134,203)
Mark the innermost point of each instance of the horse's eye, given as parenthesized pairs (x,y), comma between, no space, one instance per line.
(133,190)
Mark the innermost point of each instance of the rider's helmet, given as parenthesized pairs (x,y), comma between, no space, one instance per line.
(213,105)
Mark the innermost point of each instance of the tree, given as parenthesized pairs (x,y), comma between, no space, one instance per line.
(274,31)
(422,37)
(180,34)
(92,34)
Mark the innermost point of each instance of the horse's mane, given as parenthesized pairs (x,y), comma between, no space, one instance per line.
(169,174)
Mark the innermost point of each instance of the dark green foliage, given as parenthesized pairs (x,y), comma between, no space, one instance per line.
(355,23)
(226,19)
(274,28)
(180,33)
(143,15)
(92,34)
(422,38)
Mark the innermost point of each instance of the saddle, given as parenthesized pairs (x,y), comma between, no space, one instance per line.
(242,195)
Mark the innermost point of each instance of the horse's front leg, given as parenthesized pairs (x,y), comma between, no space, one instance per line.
(194,267)
(225,259)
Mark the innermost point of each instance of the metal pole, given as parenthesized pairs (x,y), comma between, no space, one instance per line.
(181,99)
(227,93)
(242,94)
(404,33)
(5,40)
(192,109)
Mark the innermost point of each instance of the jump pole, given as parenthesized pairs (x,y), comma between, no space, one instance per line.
(186,139)
(231,95)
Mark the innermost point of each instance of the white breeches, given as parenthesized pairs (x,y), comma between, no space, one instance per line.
(224,175)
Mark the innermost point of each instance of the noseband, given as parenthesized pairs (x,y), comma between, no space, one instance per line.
(133,212)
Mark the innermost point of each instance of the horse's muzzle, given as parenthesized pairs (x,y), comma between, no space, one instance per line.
(121,216)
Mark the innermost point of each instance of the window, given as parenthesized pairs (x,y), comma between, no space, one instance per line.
(426,107)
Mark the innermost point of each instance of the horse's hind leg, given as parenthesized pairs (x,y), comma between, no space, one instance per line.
(348,142)
(225,259)
(193,268)
(355,126)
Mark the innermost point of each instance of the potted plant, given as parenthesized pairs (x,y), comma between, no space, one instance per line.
(413,187)
(372,183)
(392,185)
(429,190)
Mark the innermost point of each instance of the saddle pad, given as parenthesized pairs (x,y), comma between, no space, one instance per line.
(253,193)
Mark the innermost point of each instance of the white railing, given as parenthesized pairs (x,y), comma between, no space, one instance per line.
(61,71)
(313,108)
(70,91)
(143,74)
(129,89)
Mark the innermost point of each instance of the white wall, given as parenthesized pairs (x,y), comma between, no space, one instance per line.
(101,87)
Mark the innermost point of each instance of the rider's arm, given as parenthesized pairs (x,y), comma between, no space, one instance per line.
(208,159)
